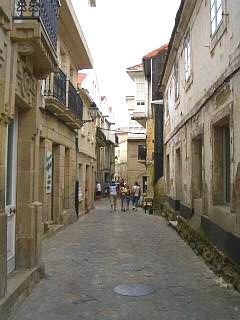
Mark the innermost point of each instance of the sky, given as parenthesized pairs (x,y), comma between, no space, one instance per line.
(119,33)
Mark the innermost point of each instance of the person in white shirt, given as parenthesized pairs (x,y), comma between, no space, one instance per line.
(136,192)
(113,195)
(98,190)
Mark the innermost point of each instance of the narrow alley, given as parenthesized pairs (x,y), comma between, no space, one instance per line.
(102,250)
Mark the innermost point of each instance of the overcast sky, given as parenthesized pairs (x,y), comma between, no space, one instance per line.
(119,33)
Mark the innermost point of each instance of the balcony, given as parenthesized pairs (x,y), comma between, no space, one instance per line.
(35,30)
(75,104)
(139,113)
(63,100)
(100,137)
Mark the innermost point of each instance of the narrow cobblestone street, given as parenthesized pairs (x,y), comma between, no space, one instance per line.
(102,250)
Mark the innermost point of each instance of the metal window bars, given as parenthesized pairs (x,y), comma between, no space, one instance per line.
(46,11)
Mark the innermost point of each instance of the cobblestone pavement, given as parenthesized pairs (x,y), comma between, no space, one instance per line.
(101,250)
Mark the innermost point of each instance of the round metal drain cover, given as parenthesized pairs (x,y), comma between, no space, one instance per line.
(134,289)
(130,267)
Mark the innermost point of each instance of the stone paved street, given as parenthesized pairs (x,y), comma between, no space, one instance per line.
(101,250)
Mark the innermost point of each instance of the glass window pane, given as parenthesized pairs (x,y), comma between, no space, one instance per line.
(187,58)
(219,4)
(212,3)
(213,26)
(213,13)
(219,15)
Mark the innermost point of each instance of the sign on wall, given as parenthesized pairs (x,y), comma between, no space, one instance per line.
(48,172)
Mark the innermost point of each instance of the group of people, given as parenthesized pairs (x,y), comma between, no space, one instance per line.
(125,194)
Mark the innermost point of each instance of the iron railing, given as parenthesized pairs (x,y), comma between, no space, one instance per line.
(56,86)
(59,86)
(75,103)
(46,11)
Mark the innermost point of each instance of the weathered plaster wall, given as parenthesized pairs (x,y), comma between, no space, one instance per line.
(207,102)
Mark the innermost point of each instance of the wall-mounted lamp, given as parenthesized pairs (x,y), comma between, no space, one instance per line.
(93,113)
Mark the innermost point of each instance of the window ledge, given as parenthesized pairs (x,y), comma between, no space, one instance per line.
(216,37)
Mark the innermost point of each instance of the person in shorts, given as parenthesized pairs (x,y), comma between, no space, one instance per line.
(136,192)
(128,196)
(123,194)
(113,195)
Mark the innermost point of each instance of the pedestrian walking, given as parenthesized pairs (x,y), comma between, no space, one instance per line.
(136,192)
(128,196)
(113,195)
(98,190)
(123,194)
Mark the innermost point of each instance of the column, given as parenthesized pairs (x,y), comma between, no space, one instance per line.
(58,182)
(29,211)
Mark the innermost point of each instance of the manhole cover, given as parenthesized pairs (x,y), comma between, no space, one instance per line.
(134,289)
(130,267)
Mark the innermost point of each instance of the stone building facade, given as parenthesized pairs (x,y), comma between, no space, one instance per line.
(40,112)
(105,152)
(104,133)
(121,157)
(86,155)
(132,143)
(153,63)
(201,91)
(130,159)
(136,162)
(130,154)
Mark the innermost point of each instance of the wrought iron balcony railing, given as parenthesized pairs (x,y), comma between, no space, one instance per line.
(75,103)
(56,86)
(60,86)
(46,11)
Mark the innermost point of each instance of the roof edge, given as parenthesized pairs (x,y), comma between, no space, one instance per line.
(177,21)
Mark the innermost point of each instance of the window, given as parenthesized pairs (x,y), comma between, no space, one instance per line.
(140,103)
(176,81)
(140,90)
(166,107)
(216,14)
(141,152)
(197,167)
(178,175)
(187,58)
(168,174)
(221,164)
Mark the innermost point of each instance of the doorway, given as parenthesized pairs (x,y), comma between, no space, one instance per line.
(178,174)
(10,192)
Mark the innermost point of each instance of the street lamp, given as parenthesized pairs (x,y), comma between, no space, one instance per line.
(93,113)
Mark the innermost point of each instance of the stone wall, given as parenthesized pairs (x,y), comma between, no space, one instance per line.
(220,263)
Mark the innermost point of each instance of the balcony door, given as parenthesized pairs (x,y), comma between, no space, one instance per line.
(10,192)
